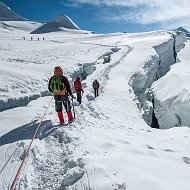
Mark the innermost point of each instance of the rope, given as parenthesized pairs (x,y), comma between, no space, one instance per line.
(28,150)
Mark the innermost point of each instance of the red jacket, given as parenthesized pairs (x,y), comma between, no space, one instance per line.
(77,84)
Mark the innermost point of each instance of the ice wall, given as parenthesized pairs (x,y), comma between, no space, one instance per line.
(172,92)
(155,68)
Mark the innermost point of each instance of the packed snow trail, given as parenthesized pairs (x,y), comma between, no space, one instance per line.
(67,171)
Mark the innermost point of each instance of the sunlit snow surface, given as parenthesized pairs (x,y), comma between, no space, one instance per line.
(109,146)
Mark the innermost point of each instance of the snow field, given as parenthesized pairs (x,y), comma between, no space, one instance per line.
(109,146)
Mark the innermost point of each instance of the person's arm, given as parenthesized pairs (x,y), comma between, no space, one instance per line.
(49,88)
(68,86)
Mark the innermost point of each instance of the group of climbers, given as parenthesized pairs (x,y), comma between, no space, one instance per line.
(60,86)
(24,38)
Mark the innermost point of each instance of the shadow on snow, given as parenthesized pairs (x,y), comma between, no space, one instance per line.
(27,131)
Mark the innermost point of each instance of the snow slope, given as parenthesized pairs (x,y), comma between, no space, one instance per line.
(109,146)
(18,26)
(39,62)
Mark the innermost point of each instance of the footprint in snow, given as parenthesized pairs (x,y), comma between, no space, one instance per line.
(168,150)
(150,147)
(186,160)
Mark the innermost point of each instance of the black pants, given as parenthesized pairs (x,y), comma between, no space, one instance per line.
(96,92)
(79,96)
(62,100)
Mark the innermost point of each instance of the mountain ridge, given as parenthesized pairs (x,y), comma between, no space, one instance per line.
(181,29)
(6,14)
(56,24)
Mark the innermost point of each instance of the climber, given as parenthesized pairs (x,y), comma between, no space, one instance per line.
(96,85)
(59,85)
(78,89)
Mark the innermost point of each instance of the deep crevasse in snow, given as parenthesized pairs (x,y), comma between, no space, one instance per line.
(156,67)
(172,93)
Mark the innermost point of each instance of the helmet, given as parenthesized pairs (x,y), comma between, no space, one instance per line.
(58,71)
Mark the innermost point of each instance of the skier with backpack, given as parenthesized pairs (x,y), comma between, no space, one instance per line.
(96,85)
(78,89)
(59,85)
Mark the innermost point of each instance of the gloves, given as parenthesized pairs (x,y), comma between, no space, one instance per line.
(82,90)
(73,96)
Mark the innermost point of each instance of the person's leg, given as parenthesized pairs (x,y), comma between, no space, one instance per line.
(67,106)
(79,97)
(95,92)
(58,108)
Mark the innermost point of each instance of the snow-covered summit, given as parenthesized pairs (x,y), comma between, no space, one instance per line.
(6,14)
(56,24)
(66,21)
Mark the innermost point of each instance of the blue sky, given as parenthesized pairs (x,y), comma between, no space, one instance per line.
(105,16)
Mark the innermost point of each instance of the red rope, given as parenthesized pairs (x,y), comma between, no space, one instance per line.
(28,150)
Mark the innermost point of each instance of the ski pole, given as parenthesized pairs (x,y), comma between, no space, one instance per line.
(73,107)
(82,95)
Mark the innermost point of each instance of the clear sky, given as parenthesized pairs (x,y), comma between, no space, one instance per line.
(105,16)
